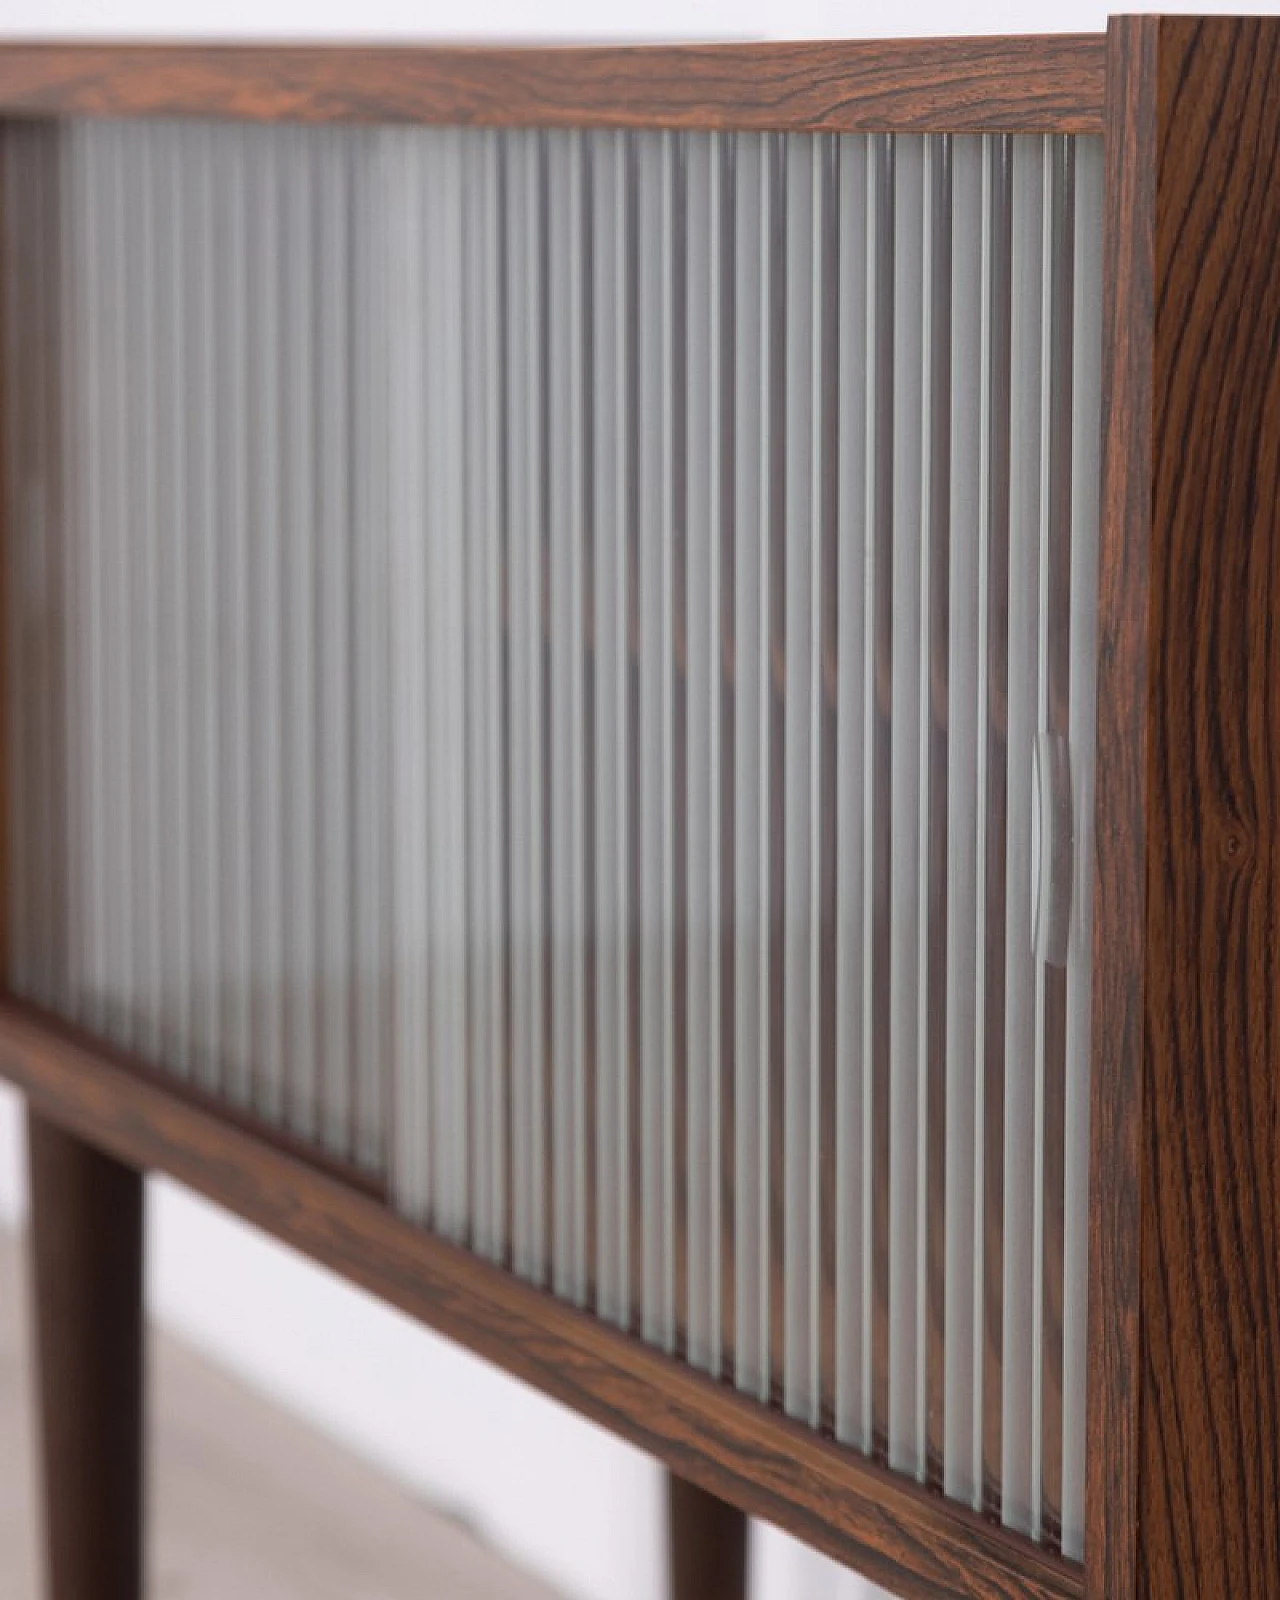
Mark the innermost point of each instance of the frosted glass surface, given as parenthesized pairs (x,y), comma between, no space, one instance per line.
(527,651)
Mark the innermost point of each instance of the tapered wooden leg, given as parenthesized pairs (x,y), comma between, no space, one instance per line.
(708,1544)
(86,1228)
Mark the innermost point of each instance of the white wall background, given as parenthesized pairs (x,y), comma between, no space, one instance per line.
(557,1494)
(567,19)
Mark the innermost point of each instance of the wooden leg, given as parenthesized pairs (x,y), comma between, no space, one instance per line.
(708,1544)
(86,1230)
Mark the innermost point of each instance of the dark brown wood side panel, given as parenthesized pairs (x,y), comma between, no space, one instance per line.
(1209,1495)
(914,1542)
(1128,328)
(1048,84)
(1184,1492)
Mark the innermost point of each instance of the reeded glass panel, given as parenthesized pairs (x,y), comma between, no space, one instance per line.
(559,667)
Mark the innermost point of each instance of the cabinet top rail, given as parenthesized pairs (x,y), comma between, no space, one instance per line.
(1032,84)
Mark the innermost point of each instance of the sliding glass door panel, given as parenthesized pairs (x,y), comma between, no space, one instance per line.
(557,668)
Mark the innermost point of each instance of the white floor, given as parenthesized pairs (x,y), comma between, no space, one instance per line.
(246,1500)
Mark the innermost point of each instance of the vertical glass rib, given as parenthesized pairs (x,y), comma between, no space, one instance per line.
(482,555)
(582,455)
(44,514)
(1020,1400)
(721,796)
(675,718)
(560,687)
(333,538)
(963,955)
(50,515)
(208,492)
(68,467)
(35,514)
(629,446)
(37,530)
(20,204)
(19,242)
(117,575)
(32,600)
(751,838)
(445,680)
(853,945)
(26,511)
(145,640)
(539,374)
(992,808)
(702,755)
(935,716)
(173,214)
(299,594)
(205,492)
(373,603)
(823,466)
(527,418)
(704,1150)
(877,801)
(1054,717)
(1041,979)
(611,626)
(205,500)
(564,344)
(572,807)
(233,612)
(630,434)
(772,468)
(95,322)
(799,761)
(905,1441)
(649,774)
(1086,390)
(264,417)
(476,557)
(60,477)
(653,800)
(22,209)
(410,1114)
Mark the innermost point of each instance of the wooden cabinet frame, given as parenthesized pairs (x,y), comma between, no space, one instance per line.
(1184,1342)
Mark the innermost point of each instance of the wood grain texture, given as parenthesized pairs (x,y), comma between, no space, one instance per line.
(1185,1294)
(1209,1494)
(914,1542)
(86,1231)
(1116,1110)
(1051,83)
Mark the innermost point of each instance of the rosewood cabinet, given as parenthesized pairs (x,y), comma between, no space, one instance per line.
(639,709)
